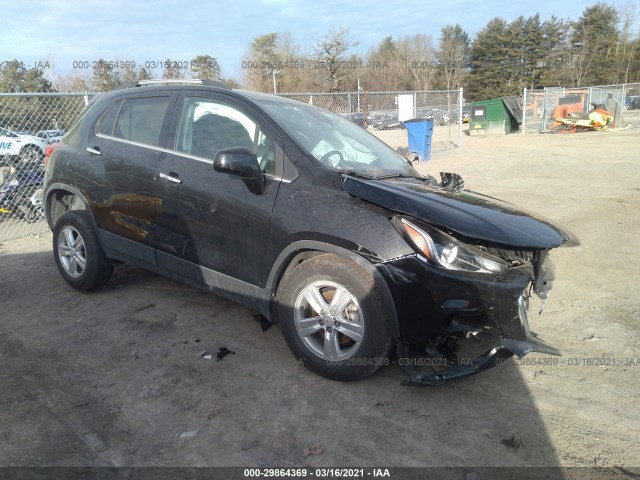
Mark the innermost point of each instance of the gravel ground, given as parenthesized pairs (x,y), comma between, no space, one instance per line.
(117,377)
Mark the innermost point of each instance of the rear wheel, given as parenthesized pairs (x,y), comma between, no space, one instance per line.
(334,319)
(77,251)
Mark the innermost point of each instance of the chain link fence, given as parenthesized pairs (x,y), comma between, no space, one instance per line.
(543,107)
(383,113)
(28,124)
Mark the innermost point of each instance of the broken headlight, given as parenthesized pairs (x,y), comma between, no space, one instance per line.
(445,251)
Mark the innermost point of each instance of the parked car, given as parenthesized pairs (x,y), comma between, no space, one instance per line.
(632,102)
(387,122)
(359,118)
(50,136)
(15,146)
(17,191)
(305,217)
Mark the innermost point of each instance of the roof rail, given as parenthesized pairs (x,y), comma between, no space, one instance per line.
(175,81)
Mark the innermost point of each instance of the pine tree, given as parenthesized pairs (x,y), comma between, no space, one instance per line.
(205,67)
(594,39)
(490,61)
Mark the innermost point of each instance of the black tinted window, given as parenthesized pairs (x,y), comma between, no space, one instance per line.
(108,120)
(140,119)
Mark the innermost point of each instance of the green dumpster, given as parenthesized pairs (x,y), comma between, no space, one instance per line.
(498,116)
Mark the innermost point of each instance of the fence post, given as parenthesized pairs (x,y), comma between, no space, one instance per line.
(545,99)
(349,102)
(524,111)
(624,104)
(460,97)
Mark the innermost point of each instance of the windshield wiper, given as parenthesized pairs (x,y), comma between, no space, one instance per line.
(400,175)
(353,173)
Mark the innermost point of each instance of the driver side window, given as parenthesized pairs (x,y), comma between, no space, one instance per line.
(207,126)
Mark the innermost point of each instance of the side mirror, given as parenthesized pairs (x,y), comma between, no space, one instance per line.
(243,163)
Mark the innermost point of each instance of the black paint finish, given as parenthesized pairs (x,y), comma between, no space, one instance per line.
(175,214)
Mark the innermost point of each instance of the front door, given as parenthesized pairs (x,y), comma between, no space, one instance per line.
(210,227)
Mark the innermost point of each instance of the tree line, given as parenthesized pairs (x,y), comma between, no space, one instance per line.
(599,48)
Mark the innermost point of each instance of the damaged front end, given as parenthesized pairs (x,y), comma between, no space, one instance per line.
(466,303)
(461,299)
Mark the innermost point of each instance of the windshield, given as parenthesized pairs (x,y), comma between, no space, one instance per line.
(336,142)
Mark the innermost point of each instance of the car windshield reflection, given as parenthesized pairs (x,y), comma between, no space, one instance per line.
(336,142)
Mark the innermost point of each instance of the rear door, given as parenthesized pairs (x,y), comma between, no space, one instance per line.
(210,227)
(117,169)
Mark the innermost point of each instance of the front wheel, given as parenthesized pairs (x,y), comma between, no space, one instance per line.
(78,253)
(334,319)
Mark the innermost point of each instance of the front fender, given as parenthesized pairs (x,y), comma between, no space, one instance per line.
(286,256)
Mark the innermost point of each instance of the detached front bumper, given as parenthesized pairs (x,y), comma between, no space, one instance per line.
(453,325)
(495,356)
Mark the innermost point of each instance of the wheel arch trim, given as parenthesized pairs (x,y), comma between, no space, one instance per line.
(57,187)
(287,255)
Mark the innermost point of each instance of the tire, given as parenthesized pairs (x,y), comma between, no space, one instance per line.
(77,252)
(30,154)
(350,337)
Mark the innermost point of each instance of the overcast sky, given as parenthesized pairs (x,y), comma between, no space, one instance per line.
(69,30)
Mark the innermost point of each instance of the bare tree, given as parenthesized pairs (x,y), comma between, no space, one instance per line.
(128,75)
(453,56)
(329,55)
(295,70)
(627,48)
(420,62)
(172,69)
(105,77)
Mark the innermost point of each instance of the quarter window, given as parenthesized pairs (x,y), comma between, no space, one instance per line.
(108,120)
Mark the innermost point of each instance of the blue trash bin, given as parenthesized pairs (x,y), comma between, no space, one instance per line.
(420,131)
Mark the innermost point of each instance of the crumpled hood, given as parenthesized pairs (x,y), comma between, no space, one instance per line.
(468,213)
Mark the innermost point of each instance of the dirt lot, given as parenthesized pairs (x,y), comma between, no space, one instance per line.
(115,378)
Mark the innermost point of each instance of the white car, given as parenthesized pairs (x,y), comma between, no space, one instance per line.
(27,148)
(50,136)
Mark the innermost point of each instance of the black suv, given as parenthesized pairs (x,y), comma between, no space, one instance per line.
(305,217)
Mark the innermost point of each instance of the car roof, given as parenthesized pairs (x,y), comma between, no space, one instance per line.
(208,86)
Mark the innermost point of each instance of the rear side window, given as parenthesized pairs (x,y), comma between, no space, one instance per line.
(108,120)
(73,135)
(140,119)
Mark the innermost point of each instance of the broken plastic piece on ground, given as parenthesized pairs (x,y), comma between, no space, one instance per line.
(189,434)
(262,320)
(223,352)
(406,153)
(208,356)
(317,449)
(452,181)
